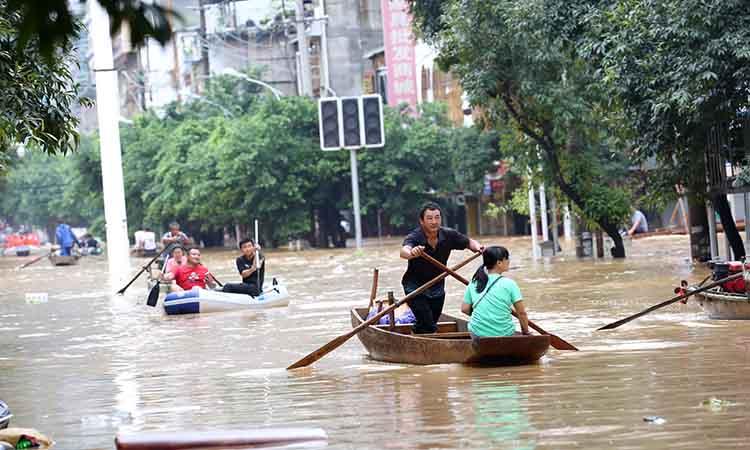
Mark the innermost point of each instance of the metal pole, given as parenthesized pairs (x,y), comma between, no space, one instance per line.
(555,239)
(532,220)
(204,40)
(543,212)
(355,198)
(108,113)
(304,56)
(380,228)
(256,232)
(712,230)
(324,52)
(727,245)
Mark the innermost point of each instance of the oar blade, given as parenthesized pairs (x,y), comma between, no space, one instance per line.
(561,344)
(153,296)
(321,352)
(612,325)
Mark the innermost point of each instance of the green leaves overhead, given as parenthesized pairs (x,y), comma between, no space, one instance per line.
(37,93)
(51,25)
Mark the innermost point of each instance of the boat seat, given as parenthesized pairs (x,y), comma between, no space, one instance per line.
(405,328)
(448,335)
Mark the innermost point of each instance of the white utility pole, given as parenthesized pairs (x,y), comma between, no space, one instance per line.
(555,237)
(355,198)
(567,223)
(304,56)
(108,113)
(713,239)
(543,212)
(535,251)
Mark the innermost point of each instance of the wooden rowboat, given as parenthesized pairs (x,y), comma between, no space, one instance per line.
(724,305)
(58,260)
(451,344)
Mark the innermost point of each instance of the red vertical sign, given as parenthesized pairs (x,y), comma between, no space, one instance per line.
(399,53)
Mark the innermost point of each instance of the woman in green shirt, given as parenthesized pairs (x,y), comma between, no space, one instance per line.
(490,297)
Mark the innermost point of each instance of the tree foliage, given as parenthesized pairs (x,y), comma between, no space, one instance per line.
(517,60)
(37,93)
(231,158)
(51,25)
(678,67)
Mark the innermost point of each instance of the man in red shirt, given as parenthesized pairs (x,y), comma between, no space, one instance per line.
(191,274)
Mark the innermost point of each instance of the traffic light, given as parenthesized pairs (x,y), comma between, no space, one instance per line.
(372,120)
(350,122)
(328,117)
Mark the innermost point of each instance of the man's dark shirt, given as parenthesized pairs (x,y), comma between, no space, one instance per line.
(419,270)
(243,264)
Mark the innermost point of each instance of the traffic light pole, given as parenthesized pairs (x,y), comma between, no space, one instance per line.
(355,198)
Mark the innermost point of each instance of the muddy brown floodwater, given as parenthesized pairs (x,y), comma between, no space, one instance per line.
(88,364)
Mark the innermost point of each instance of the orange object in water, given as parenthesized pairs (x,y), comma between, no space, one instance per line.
(31,239)
(13,240)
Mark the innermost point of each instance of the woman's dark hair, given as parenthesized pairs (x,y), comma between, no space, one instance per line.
(176,248)
(490,257)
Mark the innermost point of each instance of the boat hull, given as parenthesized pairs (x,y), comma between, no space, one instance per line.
(724,305)
(206,301)
(400,346)
(58,260)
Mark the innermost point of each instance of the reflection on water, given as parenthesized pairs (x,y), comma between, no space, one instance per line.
(88,364)
(499,414)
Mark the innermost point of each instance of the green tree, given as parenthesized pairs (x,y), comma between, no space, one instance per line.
(678,67)
(517,60)
(37,93)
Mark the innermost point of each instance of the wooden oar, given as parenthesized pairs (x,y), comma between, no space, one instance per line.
(37,259)
(556,341)
(374,289)
(336,343)
(143,269)
(216,280)
(669,302)
(153,295)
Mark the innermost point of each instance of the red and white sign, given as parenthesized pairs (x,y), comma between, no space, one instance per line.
(399,53)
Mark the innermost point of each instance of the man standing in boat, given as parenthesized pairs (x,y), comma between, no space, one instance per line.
(65,238)
(175,236)
(193,274)
(437,241)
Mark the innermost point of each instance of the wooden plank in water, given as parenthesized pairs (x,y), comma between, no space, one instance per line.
(185,440)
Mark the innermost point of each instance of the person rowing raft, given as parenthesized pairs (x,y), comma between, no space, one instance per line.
(250,270)
(437,241)
(193,274)
(490,298)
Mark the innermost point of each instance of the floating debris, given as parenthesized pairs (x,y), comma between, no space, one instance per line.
(714,404)
(656,420)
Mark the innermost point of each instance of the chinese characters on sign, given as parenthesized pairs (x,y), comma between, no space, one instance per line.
(399,53)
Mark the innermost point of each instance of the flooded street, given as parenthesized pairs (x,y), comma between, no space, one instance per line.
(88,364)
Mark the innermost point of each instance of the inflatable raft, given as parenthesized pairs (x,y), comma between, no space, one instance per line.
(200,300)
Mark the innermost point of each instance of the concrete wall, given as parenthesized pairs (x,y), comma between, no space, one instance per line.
(355,27)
